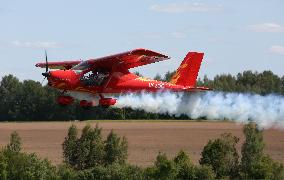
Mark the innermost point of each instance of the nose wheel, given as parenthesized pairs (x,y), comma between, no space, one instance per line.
(106,102)
(65,100)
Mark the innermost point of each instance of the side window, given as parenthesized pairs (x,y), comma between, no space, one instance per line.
(88,74)
(95,77)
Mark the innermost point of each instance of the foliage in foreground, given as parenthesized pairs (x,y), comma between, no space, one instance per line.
(222,155)
(89,150)
(88,156)
(16,165)
(255,163)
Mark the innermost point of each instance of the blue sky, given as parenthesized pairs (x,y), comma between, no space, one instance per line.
(234,35)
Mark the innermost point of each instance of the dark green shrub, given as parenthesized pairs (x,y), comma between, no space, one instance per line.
(204,173)
(70,146)
(255,164)
(90,150)
(65,172)
(115,149)
(112,172)
(221,154)
(15,165)
(185,168)
(164,168)
(15,144)
(84,152)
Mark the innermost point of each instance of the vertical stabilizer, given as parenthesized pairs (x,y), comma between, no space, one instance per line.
(187,72)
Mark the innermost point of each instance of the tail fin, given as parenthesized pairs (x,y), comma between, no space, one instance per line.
(188,70)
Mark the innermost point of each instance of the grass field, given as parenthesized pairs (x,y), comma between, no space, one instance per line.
(146,138)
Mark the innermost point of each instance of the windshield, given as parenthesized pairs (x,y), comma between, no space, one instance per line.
(82,66)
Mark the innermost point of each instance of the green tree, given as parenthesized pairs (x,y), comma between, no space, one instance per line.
(164,168)
(252,149)
(158,77)
(204,172)
(115,149)
(9,89)
(65,172)
(15,144)
(137,73)
(222,155)
(70,146)
(185,168)
(254,163)
(225,82)
(269,83)
(205,82)
(3,166)
(15,165)
(90,148)
(168,76)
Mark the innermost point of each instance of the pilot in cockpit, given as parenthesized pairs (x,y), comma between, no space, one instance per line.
(96,77)
(100,75)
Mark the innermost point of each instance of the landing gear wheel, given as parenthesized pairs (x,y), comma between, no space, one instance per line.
(85,104)
(65,100)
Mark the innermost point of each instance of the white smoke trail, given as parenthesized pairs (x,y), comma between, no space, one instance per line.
(267,111)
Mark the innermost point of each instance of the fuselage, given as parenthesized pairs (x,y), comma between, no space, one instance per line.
(69,80)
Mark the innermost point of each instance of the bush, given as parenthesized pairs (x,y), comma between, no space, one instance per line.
(114,171)
(89,157)
(70,146)
(179,168)
(185,168)
(15,143)
(255,164)
(15,165)
(84,152)
(163,168)
(115,149)
(204,172)
(222,155)
(65,172)
(90,150)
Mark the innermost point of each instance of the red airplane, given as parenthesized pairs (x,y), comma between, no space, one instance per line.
(102,78)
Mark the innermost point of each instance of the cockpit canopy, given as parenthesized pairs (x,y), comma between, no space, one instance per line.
(94,77)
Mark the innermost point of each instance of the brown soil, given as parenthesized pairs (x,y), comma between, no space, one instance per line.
(145,139)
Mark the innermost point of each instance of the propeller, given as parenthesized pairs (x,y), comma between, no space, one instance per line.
(46,74)
(46,62)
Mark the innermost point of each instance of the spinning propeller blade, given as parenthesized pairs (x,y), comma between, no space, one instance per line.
(46,73)
(46,62)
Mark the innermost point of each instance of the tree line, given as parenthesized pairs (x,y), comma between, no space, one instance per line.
(29,100)
(89,156)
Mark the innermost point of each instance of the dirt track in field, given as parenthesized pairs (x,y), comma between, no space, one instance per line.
(145,139)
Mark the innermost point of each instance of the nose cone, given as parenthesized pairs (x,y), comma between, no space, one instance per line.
(62,79)
(60,75)
(46,74)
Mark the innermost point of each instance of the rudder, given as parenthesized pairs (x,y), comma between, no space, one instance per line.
(187,72)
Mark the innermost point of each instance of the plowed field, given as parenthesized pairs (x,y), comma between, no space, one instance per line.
(145,139)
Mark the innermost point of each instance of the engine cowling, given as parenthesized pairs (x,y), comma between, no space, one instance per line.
(107,102)
(65,100)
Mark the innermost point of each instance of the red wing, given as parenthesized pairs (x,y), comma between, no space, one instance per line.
(59,65)
(130,59)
